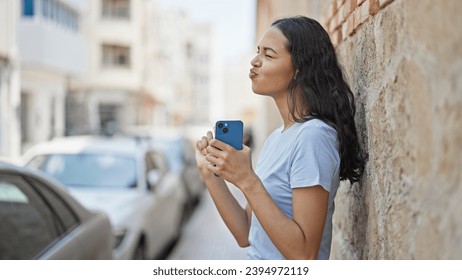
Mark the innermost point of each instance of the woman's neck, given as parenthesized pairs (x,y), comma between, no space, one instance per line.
(283,107)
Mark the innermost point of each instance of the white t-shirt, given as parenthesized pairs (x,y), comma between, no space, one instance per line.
(304,155)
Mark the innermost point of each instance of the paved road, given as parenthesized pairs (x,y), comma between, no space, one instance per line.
(206,237)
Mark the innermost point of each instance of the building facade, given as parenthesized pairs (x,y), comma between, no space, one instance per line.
(10,125)
(111,89)
(184,68)
(52,56)
(144,67)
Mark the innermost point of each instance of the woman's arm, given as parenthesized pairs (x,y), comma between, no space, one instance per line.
(296,238)
(235,217)
(299,237)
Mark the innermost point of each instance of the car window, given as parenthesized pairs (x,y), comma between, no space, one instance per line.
(66,215)
(89,170)
(158,161)
(27,224)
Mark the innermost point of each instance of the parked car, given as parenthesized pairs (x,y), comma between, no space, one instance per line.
(181,159)
(41,220)
(180,155)
(127,179)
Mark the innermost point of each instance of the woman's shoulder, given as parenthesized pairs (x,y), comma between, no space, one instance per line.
(316,131)
(316,126)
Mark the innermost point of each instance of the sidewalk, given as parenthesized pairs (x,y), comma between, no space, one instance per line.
(206,237)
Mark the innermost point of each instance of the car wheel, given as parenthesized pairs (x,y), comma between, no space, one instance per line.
(140,252)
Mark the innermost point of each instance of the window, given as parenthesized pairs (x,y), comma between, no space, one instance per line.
(66,215)
(45,8)
(116,56)
(108,118)
(28,8)
(27,224)
(60,14)
(116,9)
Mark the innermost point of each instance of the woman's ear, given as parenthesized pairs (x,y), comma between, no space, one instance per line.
(295,75)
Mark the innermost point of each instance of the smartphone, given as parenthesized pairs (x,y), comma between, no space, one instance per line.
(230,132)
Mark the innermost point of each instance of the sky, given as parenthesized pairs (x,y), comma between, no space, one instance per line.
(233,20)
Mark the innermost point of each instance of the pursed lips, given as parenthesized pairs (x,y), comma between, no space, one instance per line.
(252,73)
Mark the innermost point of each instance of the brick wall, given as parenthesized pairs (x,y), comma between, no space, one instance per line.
(344,17)
(403,61)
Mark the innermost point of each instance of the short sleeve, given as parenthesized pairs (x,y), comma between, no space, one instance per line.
(315,159)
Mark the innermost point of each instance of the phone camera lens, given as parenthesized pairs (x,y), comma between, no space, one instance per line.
(225,130)
(220,125)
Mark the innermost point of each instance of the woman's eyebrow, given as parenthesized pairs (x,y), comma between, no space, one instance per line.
(267,49)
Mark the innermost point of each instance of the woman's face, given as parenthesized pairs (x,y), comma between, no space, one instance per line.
(272,68)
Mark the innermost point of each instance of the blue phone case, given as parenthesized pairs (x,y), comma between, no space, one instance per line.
(230,132)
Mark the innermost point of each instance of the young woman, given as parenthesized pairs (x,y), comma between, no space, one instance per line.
(290,194)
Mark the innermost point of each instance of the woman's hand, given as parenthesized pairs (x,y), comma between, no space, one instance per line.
(201,152)
(230,164)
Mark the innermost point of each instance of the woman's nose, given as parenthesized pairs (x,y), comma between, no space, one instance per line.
(256,62)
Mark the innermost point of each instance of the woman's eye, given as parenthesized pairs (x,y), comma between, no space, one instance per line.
(269,56)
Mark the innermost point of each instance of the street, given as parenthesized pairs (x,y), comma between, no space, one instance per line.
(206,237)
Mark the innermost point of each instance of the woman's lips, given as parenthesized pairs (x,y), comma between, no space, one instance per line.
(252,74)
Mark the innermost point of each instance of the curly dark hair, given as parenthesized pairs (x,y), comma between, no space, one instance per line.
(319,89)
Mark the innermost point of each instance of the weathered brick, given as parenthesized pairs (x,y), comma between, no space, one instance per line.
(364,12)
(384,3)
(341,15)
(357,19)
(344,31)
(346,9)
(333,9)
(335,38)
(335,23)
(353,5)
(374,7)
(326,25)
(351,24)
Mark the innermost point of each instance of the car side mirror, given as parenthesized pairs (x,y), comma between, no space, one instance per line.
(153,177)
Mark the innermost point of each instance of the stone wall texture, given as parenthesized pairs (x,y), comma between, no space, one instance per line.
(403,60)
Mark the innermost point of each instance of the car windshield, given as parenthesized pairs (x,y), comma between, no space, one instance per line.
(88,170)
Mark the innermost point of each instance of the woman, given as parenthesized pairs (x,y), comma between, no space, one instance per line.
(290,195)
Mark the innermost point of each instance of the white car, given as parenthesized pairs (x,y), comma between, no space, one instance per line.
(41,220)
(180,156)
(124,178)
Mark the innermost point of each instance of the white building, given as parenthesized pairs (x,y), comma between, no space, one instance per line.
(203,70)
(145,66)
(184,68)
(112,93)
(52,55)
(10,137)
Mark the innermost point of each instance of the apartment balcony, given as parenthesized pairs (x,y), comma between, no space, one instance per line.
(45,43)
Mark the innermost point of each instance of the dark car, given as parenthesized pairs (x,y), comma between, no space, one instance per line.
(40,220)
